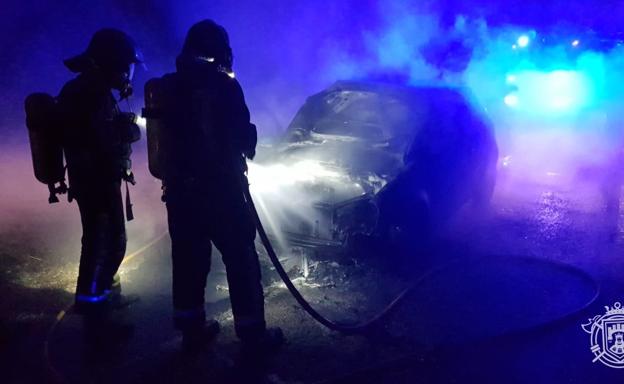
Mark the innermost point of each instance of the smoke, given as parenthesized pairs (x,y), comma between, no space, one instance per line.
(554,87)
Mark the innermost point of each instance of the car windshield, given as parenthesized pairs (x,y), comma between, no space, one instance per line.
(361,114)
(374,113)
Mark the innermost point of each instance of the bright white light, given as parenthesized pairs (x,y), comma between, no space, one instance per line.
(506,161)
(141,122)
(564,89)
(271,178)
(523,41)
(511,100)
(576,43)
(555,92)
(515,46)
(511,79)
(561,102)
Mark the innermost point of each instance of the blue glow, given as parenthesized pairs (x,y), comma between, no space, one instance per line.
(523,41)
(554,93)
(94,298)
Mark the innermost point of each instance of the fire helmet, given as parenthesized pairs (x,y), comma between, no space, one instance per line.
(109,49)
(210,40)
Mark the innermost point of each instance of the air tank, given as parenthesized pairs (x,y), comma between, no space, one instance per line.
(153,114)
(42,121)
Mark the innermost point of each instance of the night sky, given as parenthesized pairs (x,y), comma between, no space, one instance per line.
(284,51)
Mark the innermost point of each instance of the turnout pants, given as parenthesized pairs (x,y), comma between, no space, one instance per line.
(202,215)
(103,244)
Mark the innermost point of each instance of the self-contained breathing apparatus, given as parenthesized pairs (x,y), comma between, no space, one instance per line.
(166,145)
(129,132)
(153,114)
(112,53)
(44,123)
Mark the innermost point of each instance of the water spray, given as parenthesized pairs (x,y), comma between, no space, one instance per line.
(348,328)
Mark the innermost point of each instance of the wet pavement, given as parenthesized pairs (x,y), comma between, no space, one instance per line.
(505,304)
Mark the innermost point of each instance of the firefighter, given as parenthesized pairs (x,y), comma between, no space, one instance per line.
(96,139)
(204,142)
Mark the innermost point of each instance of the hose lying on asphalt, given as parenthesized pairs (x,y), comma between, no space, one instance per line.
(351,328)
(348,328)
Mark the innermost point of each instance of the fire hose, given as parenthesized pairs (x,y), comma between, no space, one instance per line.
(347,328)
(359,327)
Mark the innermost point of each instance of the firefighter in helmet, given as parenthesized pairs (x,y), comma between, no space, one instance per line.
(96,139)
(205,139)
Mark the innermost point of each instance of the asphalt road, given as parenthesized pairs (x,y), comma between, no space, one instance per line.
(509,308)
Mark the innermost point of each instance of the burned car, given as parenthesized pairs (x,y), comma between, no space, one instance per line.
(378,160)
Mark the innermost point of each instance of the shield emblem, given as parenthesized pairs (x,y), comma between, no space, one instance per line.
(613,338)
